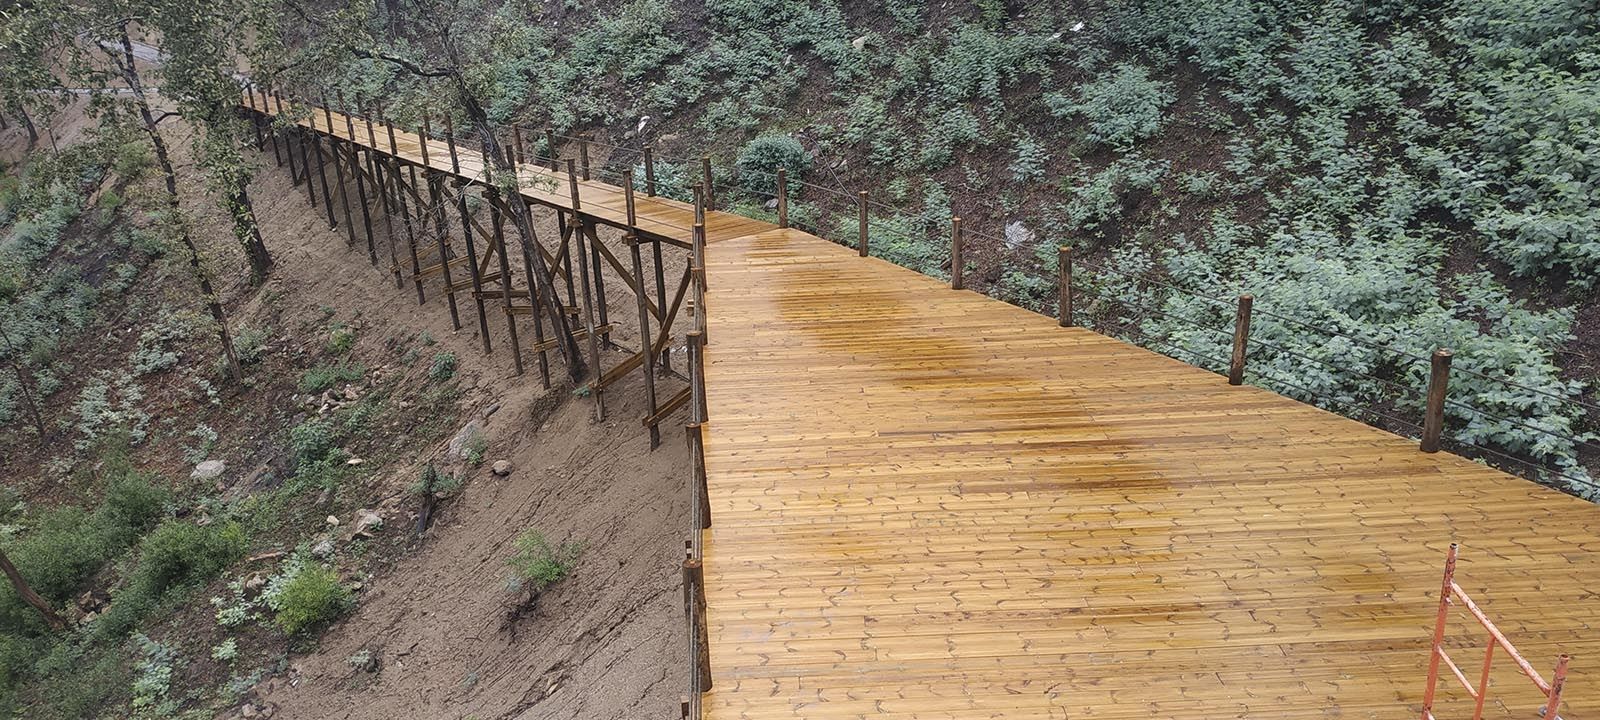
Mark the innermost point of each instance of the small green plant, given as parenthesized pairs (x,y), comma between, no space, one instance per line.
(1121,109)
(443,368)
(426,339)
(477,446)
(306,595)
(537,564)
(435,483)
(227,651)
(154,680)
(340,339)
(322,377)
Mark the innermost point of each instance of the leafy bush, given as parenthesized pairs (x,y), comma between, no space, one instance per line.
(443,367)
(435,483)
(537,564)
(1122,108)
(761,158)
(248,344)
(306,595)
(340,339)
(318,460)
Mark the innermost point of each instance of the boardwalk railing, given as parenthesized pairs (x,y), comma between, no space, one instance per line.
(1451,593)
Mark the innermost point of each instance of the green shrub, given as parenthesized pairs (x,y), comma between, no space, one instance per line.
(248,344)
(180,552)
(761,158)
(340,339)
(537,564)
(318,460)
(322,377)
(443,367)
(307,595)
(435,483)
(1122,108)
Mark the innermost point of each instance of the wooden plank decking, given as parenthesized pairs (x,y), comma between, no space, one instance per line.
(931,504)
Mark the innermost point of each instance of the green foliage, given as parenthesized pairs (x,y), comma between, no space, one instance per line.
(340,339)
(435,483)
(323,377)
(537,564)
(154,679)
(761,158)
(443,367)
(1121,109)
(62,548)
(306,595)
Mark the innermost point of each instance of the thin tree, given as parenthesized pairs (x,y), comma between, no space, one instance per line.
(8,506)
(10,289)
(197,41)
(118,49)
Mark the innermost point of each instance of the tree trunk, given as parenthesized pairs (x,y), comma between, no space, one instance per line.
(130,75)
(248,232)
(51,617)
(27,122)
(522,220)
(22,385)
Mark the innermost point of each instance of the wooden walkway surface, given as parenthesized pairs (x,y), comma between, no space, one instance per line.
(931,504)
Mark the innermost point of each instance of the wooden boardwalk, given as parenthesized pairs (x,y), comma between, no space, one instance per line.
(931,504)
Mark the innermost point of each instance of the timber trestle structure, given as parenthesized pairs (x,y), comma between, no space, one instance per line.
(910,500)
(427,215)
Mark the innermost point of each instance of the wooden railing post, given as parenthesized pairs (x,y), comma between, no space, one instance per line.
(572,188)
(583,156)
(550,147)
(649,171)
(1241,339)
(783,198)
(1438,384)
(861,207)
(1064,286)
(957,264)
(1438,631)
(705,181)
(516,142)
(694,587)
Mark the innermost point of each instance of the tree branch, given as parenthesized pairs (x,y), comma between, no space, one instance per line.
(403,63)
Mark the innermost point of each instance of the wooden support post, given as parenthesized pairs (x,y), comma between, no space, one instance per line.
(701,513)
(466,233)
(601,307)
(497,222)
(289,136)
(572,187)
(272,129)
(783,198)
(516,142)
(442,240)
(665,358)
(861,206)
(597,392)
(405,214)
(1438,384)
(361,183)
(583,156)
(338,167)
(376,166)
(1064,286)
(705,182)
(322,174)
(958,264)
(645,344)
(1241,340)
(695,591)
(649,171)
(550,147)
(700,204)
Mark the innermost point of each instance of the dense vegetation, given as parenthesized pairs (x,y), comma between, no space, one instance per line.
(1386,178)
